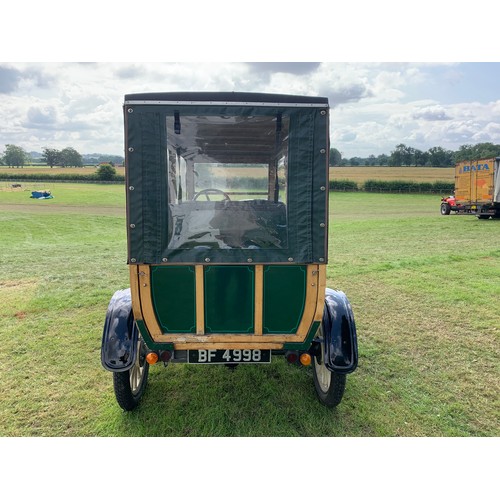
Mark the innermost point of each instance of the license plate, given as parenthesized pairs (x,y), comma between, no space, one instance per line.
(222,356)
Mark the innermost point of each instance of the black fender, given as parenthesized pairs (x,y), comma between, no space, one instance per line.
(120,334)
(339,333)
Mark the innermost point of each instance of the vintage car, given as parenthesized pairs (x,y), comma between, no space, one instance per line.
(227,225)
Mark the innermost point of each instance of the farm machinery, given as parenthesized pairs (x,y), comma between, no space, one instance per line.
(227,230)
(477,189)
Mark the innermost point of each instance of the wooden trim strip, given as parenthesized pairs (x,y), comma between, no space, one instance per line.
(321,293)
(134,291)
(259,299)
(148,313)
(200,301)
(311,302)
(227,345)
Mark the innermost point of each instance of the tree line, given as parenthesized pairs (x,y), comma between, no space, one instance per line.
(408,156)
(403,155)
(16,157)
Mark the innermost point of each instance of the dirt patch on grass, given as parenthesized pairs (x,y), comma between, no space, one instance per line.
(17,284)
(41,207)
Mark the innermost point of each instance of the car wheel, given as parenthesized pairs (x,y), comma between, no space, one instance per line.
(329,385)
(130,385)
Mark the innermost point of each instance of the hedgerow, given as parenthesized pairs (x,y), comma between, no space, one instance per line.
(396,186)
(343,185)
(407,186)
(56,178)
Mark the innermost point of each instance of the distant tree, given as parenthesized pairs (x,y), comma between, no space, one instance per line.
(382,160)
(484,150)
(69,157)
(371,161)
(406,156)
(439,157)
(15,156)
(464,153)
(419,157)
(51,156)
(481,151)
(398,156)
(335,157)
(106,172)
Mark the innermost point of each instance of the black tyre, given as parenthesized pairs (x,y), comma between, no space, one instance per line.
(445,209)
(329,385)
(130,385)
(483,217)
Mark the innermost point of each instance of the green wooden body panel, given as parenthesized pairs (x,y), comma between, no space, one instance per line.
(284,298)
(173,291)
(229,299)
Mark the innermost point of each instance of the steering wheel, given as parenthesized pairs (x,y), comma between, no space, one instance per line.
(207,192)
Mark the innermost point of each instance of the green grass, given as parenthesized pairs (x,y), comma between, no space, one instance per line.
(424,290)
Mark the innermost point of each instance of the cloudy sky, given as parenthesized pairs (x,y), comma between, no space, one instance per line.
(374,106)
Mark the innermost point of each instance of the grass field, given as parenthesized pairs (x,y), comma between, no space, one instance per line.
(415,174)
(424,290)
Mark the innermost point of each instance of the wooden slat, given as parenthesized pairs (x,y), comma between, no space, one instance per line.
(226,345)
(311,302)
(148,313)
(321,293)
(134,291)
(259,298)
(200,301)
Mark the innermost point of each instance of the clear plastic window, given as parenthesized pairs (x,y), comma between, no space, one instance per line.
(227,180)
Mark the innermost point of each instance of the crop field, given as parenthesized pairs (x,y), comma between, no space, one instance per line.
(424,289)
(54,171)
(415,174)
(358,174)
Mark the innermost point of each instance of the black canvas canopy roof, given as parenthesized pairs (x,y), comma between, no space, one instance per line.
(227,97)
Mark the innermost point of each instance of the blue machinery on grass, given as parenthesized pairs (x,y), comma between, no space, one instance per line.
(227,225)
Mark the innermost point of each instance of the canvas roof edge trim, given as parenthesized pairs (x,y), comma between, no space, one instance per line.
(227,98)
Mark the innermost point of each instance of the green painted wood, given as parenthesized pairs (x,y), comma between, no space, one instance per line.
(284,298)
(229,299)
(173,292)
(303,346)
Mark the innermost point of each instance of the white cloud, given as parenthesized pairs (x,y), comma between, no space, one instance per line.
(431,113)
(374,106)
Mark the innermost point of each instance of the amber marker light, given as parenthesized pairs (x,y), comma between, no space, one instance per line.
(151,358)
(305,359)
